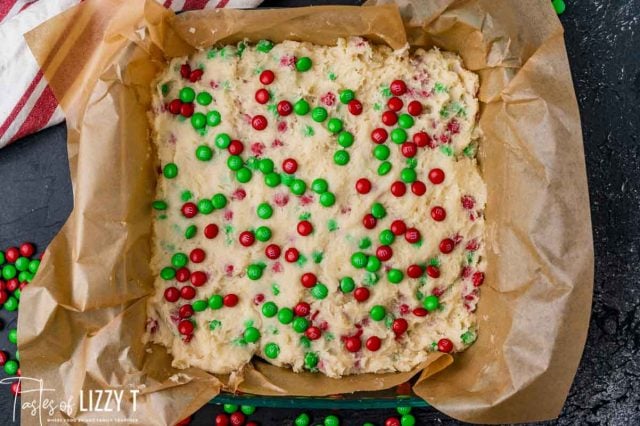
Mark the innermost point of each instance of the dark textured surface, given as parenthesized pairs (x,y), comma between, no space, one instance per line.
(603,40)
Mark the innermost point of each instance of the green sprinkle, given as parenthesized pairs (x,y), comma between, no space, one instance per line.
(302,259)
(371,278)
(317,256)
(186,195)
(377,107)
(469,150)
(332,76)
(264,46)
(446,150)
(364,243)
(332,225)
(385,91)
(305,342)
(305,216)
(440,88)
(412,163)
(310,360)
(164,89)
(468,337)
(275,289)
(308,131)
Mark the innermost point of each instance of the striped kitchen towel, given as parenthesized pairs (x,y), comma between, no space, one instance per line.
(27,104)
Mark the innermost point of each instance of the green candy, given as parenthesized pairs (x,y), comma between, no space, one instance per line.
(373,264)
(331,421)
(22,263)
(216,301)
(251,335)
(310,360)
(407,420)
(254,272)
(230,408)
(198,120)
(395,276)
(359,260)
(179,260)
(298,186)
(327,199)
(319,186)
(272,180)
(378,211)
(408,175)
(300,324)
(302,420)
(334,125)
(269,309)
(345,139)
(559,6)
(264,211)
(387,237)
(341,157)
(204,98)
(248,409)
(205,206)
(170,171)
(13,336)
(25,276)
(17,293)
(264,46)
(303,64)
(11,367)
(347,95)
(2,258)
(301,107)
(398,135)
(190,232)
(168,273)
(405,121)
(244,175)
(403,410)
(263,233)
(204,153)
(265,165)
(222,140)
(33,266)
(381,152)
(234,162)
(11,304)
(187,94)
(219,201)
(213,118)
(384,168)
(431,303)
(319,291)
(272,350)
(377,313)
(319,114)
(347,285)
(285,316)
(199,305)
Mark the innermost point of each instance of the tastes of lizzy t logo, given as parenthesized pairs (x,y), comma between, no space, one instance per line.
(35,402)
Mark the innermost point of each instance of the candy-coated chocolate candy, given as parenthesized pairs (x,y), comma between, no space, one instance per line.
(398,188)
(446,245)
(395,104)
(303,64)
(352,344)
(377,313)
(304,228)
(347,284)
(291,255)
(187,94)
(204,153)
(284,108)
(438,213)
(386,237)
(431,303)
(355,107)
(418,188)
(384,253)
(421,139)
(398,87)
(272,350)
(319,114)
(359,260)
(414,108)
(204,98)
(262,96)
(398,135)
(26,250)
(405,121)
(171,294)
(211,231)
(369,221)
(341,157)
(289,166)
(399,326)
(379,135)
(436,176)
(308,279)
(395,276)
(301,107)
(361,294)
(320,291)
(170,170)
(185,327)
(222,140)
(381,152)
(259,122)
(246,238)
(230,300)
(269,309)
(445,345)
(251,335)
(267,77)
(187,109)
(363,185)
(327,199)
(412,235)
(414,271)
(347,96)
(185,311)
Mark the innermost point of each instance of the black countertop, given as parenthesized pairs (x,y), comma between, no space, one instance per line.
(603,41)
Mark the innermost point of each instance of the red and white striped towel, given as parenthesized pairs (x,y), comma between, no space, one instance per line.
(27,104)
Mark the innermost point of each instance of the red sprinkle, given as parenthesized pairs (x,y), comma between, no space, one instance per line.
(477,278)
(267,77)
(438,213)
(446,245)
(305,228)
(188,210)
(421,139)
(398,188)
(211,231)
(196,75)
(352,344)
(185,327)
(272,251)
(414,271)
(361,294)
(171,294)
(412,235)
(185,311)
(398,87)
(187,109)
(384,253)
(262,96)
(420,312)
(355,107)
(230,300)
(246,238)
(409,149)
(369,221)
(284,108)
(235,147)
(197,255)
(291,255)
(373,343)
(414,108)
(198,278)
(363,185)
(433,271)
(395,104)
(258,299)
(308,280)
(398,227)
(289,166)
(259,122)
(468,202)
(399,326)
(418,188)
(445,345)
(313,333)
(436,176)
(302,309)
(379,135)
(389,118)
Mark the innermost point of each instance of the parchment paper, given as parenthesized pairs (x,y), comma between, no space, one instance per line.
(82,318)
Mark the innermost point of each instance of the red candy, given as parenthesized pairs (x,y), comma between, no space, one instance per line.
(352,344)
(421,139)
(308,280)
(414,271)
(198,278)
(398,227)
(222,420)
(211,231)
(289,166)
(185,311)
(16,387)
(355,107)
(446,245)
(369,221)
(399,326)
(305,228)
(409,149)
(412,235)
(12,285)
(230,300)
(418,188)
(433,271)
(438,213)
(185,70)
(267,77)
(398,188)
(373,343)
(196,75)
(189,210)
(3,296)
(175,106)
(237,418)
(291,255)
(12,254)
(414,108)
(398,87)
(361,294)
(197,255)
(363,186)
(392,421)
(313,333)
(477,278)
(185,327)
(284,108)
(302,309)
(445,345)
(26,249)
(3,358)
(235,147)
(384,253)
(187,109)
(395,104)
(420,312)
(262,96)
(379,135)
(389,118)
(171,294)
(182,275)
(436,176)
(272,251)
(259,122)
(246,238)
